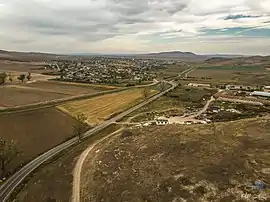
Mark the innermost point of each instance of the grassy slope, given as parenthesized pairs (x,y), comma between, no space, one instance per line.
(173,163)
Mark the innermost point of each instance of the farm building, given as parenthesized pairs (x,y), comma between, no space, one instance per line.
(240,87)
(199,85)
(261,94)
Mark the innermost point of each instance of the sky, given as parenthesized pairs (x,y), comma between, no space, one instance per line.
(136,26)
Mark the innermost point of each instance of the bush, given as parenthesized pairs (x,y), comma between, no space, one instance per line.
(126,133)
(3,77)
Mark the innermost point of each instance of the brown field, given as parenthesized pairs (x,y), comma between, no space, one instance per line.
(101,108)
(7,66)
(69,88)
(35,132)
(182,163)
(89,85)
(10,97)
(14,95)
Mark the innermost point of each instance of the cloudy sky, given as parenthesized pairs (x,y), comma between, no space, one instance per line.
(136,26)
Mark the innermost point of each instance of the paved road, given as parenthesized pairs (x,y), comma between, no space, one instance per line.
(11,183)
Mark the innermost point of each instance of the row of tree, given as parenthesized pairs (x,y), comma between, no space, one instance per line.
(4,77)
(8,151)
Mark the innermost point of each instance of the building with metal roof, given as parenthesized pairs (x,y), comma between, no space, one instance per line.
(260,93)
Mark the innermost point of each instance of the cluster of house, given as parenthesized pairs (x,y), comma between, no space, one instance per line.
(241,87)
(108,70)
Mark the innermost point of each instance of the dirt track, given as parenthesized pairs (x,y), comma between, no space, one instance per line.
(78,167)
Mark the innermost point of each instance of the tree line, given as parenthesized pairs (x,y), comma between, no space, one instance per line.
(8,151)
(22,77)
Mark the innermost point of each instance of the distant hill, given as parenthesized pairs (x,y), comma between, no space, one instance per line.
(184,56)
(176,55)
(29,56)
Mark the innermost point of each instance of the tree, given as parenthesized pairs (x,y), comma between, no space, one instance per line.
(29,76)
(10,78)
(62,72)
(3,77)
(81,127)
(145,92)
(8,151)
(162,86)
(21,77)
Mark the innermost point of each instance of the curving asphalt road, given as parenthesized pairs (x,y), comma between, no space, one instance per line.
(11,183)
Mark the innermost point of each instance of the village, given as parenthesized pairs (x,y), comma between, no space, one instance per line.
(108,70)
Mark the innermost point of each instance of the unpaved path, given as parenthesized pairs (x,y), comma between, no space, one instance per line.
(204,109)
(78,167)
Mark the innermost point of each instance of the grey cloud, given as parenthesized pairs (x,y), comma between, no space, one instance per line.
(86,21)
(93,23)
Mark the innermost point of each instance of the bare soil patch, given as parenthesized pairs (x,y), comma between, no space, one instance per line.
(216,162)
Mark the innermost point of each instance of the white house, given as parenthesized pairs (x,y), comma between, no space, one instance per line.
(162,121)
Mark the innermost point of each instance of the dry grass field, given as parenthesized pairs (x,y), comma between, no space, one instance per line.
(217,162)
(35,132)
(101,108)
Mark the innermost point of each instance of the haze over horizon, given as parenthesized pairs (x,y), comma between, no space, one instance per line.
(136,26)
